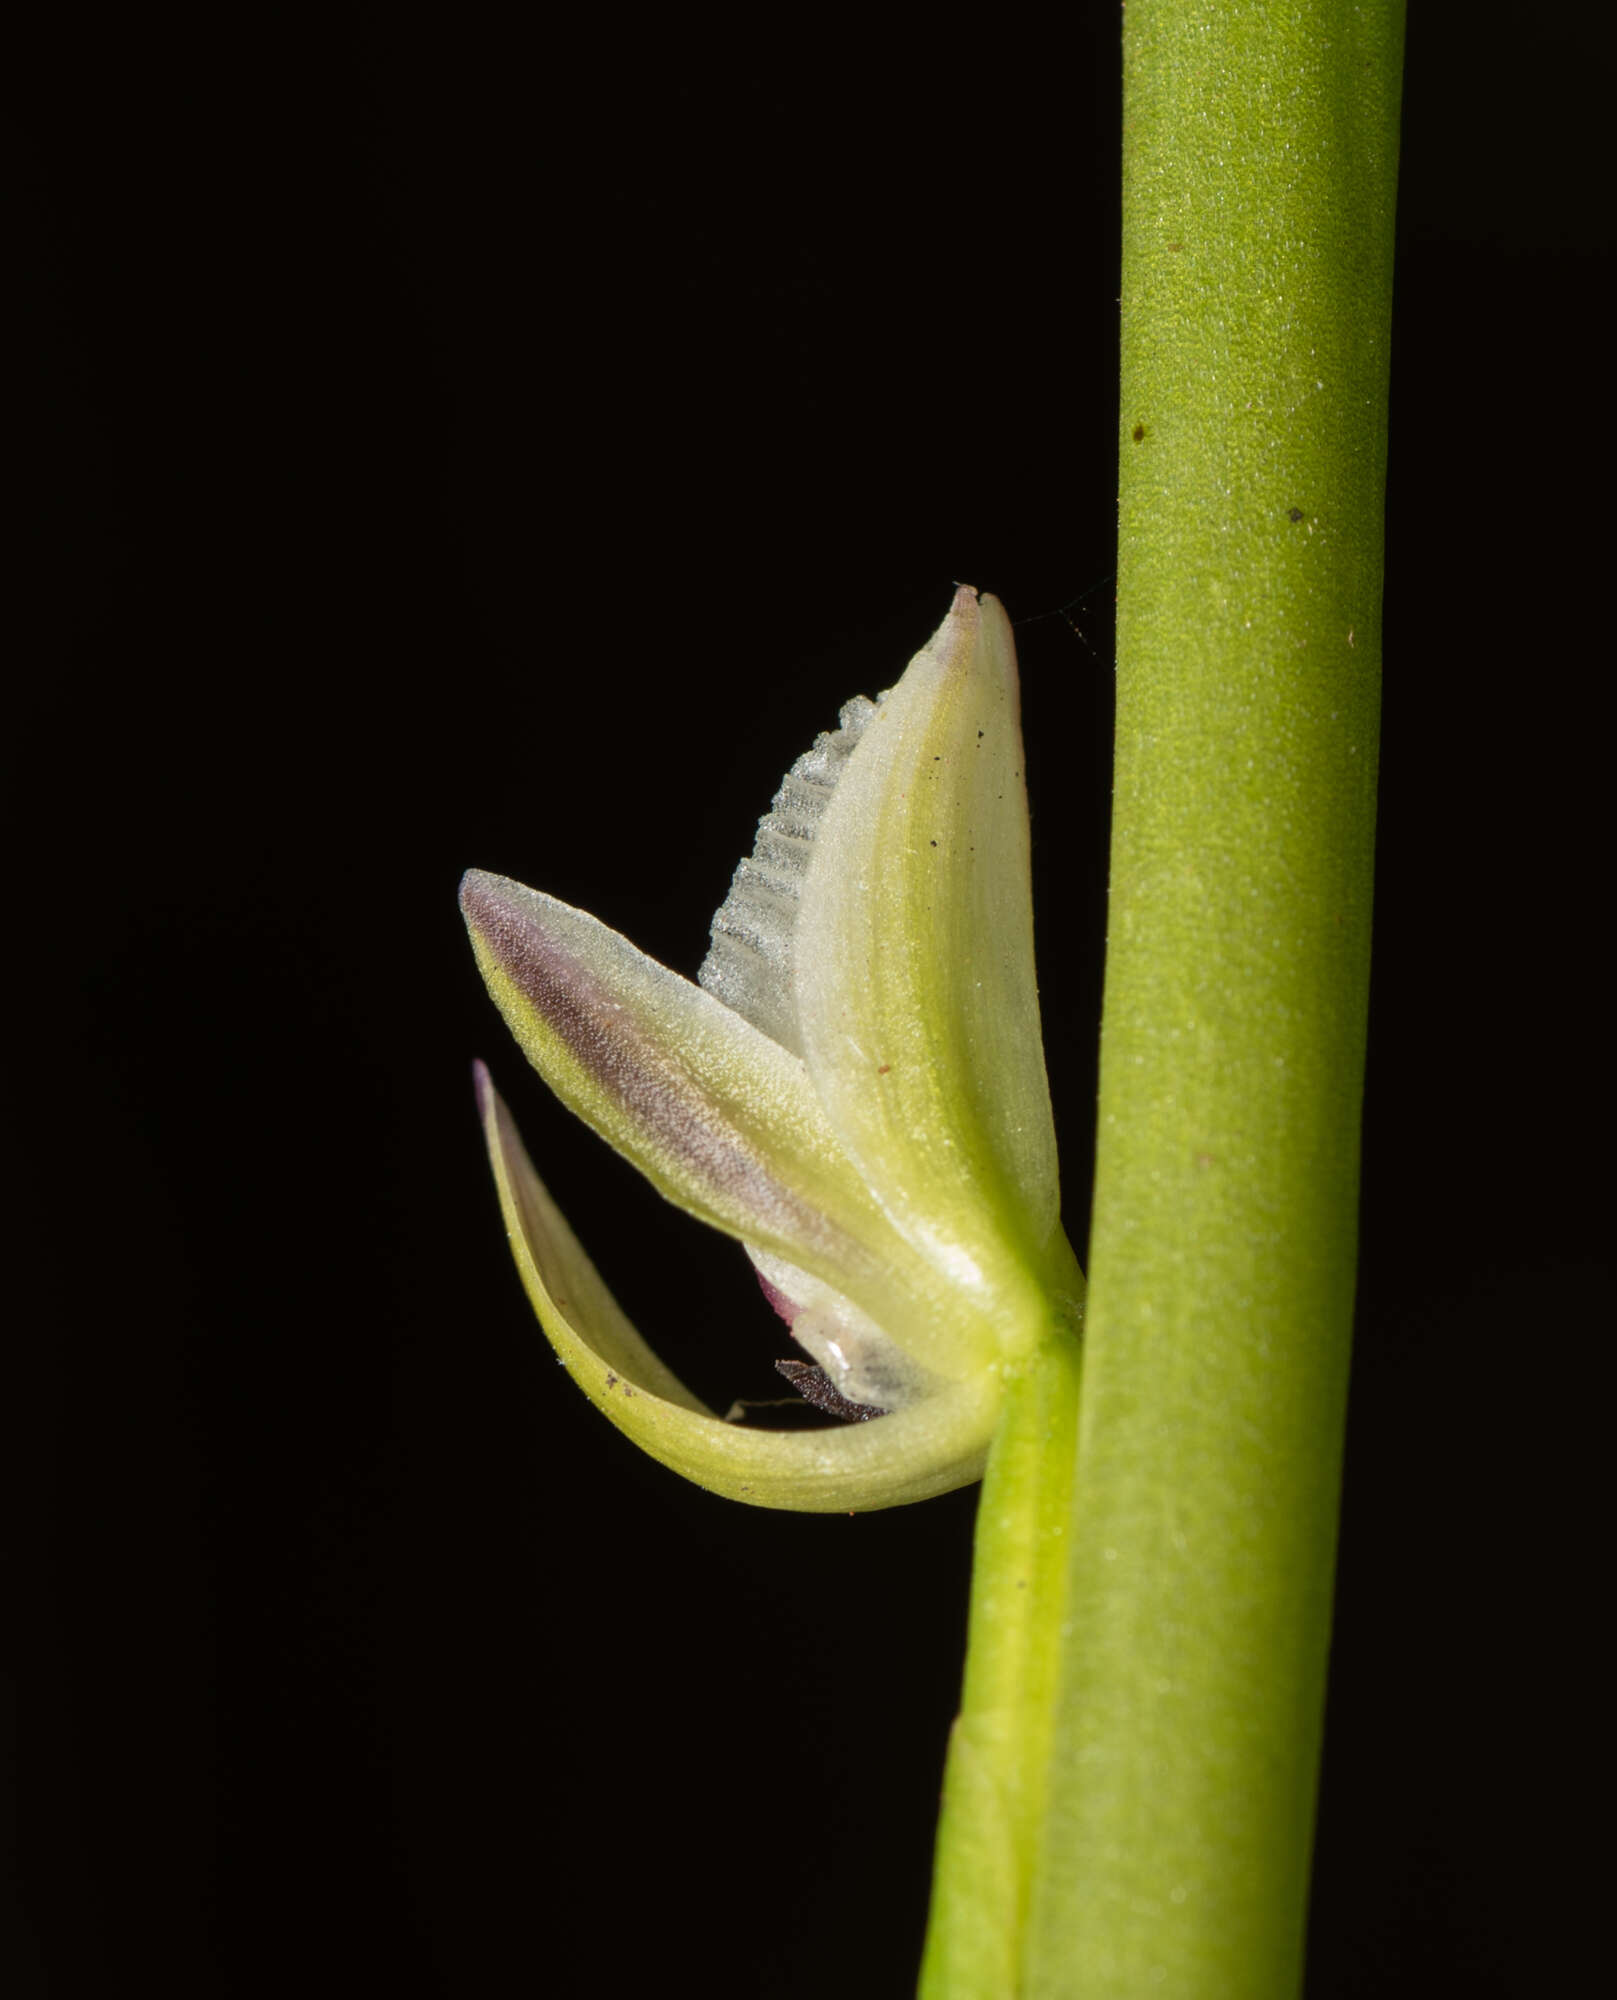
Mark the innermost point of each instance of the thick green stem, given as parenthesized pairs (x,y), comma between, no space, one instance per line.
(1260,168)
(1130,1793)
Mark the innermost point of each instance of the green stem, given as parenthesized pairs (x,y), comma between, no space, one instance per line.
(1130,1792)
(1259,179)
(999,1750)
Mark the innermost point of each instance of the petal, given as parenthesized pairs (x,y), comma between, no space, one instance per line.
(750,966)
(862,1362)
(930,1448)
(913,969)
(720,1118)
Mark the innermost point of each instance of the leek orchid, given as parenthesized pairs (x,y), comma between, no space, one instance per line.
(854,1088)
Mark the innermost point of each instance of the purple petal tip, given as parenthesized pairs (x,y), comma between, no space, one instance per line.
(474,889)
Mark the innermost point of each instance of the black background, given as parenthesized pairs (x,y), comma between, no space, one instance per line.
(470,446)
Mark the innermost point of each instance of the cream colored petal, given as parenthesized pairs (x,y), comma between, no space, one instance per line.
(913,969)
(720,1118)
(927,1449)
(862,1361)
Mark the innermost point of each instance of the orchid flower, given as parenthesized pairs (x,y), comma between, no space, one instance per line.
(854,1088)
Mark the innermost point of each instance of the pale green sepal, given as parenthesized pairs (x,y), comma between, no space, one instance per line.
(720,1118)
(914,977)
(930,1448)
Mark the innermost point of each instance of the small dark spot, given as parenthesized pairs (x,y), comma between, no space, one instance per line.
(611,1380)
(979,736)
(1138,434)
(1294,513)
(934,843)
(884,1069)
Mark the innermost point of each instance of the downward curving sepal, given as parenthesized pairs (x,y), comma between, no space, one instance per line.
(929,1448)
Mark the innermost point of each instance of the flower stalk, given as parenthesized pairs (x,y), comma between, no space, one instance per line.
(1000,1749)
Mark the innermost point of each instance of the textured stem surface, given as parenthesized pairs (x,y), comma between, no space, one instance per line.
(1259,178)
